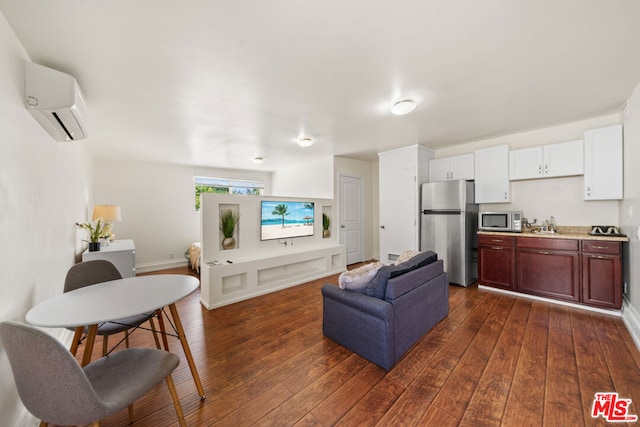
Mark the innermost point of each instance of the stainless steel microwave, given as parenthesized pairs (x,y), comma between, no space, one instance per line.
(500,221)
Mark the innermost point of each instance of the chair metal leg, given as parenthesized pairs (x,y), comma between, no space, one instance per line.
(176,401)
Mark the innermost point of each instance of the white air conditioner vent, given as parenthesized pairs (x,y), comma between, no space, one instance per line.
(54,99)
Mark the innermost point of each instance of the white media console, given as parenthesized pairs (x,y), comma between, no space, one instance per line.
(246,278)
(258,267)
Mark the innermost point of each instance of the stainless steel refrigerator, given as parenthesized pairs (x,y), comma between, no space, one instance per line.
(449,227)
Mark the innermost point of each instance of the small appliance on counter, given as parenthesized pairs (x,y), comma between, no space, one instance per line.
(606,230)
(500,221)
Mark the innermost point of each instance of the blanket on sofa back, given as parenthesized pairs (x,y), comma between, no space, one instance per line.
(359,278)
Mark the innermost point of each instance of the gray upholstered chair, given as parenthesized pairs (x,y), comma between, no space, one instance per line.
(97,271)
(54,387)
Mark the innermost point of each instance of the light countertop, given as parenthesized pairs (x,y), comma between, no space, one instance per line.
(564,232)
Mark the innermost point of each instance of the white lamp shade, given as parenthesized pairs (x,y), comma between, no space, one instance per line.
(107,213)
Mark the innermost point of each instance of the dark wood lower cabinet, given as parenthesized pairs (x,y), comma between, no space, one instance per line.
(496,261)
(551,274)
(548,268)
(602,274)
(580,271)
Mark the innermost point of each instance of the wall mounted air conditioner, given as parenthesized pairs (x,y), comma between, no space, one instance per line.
(55,101)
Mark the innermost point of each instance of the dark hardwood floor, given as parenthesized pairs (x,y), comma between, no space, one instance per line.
(495,360)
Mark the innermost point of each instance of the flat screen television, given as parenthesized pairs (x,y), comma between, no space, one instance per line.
(282,220)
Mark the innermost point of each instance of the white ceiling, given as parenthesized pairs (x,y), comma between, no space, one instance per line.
(216,82)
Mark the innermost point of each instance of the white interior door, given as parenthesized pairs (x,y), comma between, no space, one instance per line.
(351,233)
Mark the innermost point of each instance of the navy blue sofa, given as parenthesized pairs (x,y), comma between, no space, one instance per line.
(382,327)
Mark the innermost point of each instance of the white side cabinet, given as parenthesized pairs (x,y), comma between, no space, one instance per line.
(547,161)
(451,168)
(492,175)
(603,163)
(121,253)
(401,173)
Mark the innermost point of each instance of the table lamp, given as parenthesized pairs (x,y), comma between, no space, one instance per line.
(108,213)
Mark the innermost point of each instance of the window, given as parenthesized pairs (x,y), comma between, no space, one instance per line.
(226,186)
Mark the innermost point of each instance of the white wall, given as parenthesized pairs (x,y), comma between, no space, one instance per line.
(630,212)
(158,205)
(44,190)
(541,198)
(368,173)
(311,178)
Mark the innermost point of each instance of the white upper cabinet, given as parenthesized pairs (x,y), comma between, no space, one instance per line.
(452,168)
(603,163)
(492,175)
(439,169)
(525,163)
(564,159)
(547,161)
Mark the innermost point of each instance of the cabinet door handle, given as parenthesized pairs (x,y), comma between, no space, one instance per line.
(546,169)
(600,247)
(539,169)
(496,248)
(496,240)
(544,252)
(505,195)
(382,226)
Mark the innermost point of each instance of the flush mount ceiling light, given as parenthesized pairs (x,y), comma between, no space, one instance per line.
(305,142)
(258,160)
(403,107)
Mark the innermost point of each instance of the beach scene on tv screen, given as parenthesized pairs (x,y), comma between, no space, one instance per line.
(280,220)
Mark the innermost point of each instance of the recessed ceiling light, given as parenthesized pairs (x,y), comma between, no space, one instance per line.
(258,160)
(305,142)
(403,107)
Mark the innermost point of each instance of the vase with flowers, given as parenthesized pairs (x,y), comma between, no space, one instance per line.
(97,231)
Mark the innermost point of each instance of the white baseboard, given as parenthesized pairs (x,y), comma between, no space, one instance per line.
(553,301)
(631,320)
(160,265)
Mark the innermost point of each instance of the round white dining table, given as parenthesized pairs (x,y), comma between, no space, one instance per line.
(118,299)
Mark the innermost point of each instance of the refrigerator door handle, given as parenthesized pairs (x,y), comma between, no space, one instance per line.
(441,211)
